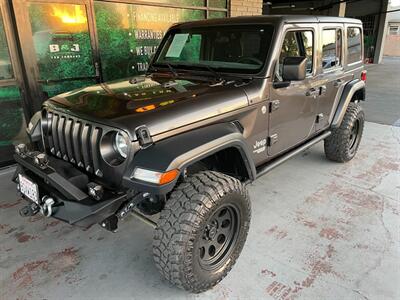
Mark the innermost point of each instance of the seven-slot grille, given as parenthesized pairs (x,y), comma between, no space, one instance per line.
(74,140)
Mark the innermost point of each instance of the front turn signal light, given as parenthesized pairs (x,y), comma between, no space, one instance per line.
(154,176)
(169,176)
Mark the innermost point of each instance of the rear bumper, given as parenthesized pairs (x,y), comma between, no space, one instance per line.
(72,205)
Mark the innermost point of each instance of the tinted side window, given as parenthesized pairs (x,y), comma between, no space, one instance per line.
(331,48)
(353,45)
(297,43)
(308,42)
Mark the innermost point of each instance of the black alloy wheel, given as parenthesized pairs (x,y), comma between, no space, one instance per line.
(219,237)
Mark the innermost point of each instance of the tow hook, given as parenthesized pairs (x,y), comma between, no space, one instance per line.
(46,208)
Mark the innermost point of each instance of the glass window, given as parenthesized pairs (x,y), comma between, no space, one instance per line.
(6,71)
(297,43)
(217,3)
(353,45)
(307,38)
(200,3)
(62,46)
(239,49)
(129,34)
(394,30)
(331,48)
(61,40)
(216,14)
(12,123)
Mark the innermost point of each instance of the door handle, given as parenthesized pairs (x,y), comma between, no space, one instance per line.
(337,82)
(312,92)
(322,90)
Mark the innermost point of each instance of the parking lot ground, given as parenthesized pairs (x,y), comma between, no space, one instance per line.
(383,92)
(320,230)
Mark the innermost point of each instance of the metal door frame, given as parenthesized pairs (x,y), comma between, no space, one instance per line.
(21,15)
(311,78)
(17,79)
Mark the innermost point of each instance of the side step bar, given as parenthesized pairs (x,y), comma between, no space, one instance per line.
(276,162)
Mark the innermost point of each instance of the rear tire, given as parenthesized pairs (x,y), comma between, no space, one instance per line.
(343,143)
(202,230)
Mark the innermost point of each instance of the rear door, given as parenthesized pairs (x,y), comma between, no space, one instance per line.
(331,73)
(293,108)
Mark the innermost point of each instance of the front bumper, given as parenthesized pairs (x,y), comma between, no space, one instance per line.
(72,205)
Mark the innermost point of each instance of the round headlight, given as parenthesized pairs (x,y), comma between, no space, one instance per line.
(121,145)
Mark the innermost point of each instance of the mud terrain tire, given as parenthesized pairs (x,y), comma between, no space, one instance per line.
(202,230)
(343,143)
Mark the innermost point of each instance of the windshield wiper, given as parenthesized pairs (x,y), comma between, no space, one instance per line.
(171,68)
(221,77)
(164,64)
(217,76)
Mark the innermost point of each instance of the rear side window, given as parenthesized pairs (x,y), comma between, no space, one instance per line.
(331,48)
(297,43)
(353,45)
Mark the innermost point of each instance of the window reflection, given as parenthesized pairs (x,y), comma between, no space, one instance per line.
(12,125)
(331,48)
(130,34)
(6,71)
(61,40)
(353,45)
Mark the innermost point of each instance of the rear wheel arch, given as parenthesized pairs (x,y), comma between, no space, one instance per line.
(359,95)
(353,91)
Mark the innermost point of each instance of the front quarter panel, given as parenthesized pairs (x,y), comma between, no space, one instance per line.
(180,151)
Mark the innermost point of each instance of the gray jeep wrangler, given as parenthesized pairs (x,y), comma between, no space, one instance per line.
(223,102)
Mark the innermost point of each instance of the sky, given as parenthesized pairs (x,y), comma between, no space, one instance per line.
(395,2)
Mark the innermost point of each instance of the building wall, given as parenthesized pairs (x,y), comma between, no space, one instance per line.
(392,43)
(246,7)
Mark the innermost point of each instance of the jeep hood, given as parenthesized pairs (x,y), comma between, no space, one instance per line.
(159,103)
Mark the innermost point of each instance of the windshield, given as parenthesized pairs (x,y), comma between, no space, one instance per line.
(233,49)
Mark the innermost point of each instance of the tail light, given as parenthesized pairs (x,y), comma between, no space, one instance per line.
(364,75)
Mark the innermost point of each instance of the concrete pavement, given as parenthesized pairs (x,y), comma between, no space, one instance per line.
(320,230)
(383,92)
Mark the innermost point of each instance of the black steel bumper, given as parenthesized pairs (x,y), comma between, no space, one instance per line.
(72,204)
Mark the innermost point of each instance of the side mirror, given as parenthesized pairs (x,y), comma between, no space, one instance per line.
(294,68)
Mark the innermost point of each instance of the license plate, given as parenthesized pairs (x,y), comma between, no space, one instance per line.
(28,188)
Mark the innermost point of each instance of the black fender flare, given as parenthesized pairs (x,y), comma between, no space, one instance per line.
(348,92)
(180,151)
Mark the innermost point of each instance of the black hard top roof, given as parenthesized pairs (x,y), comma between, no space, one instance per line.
(270,19)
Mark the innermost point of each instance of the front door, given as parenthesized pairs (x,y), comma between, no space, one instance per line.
(57,42)
(293,108)
(12,94)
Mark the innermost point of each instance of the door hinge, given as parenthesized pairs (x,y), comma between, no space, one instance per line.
(272,139)
(274,105)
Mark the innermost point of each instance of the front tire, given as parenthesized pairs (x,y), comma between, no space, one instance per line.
(343,143)
(202,230)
